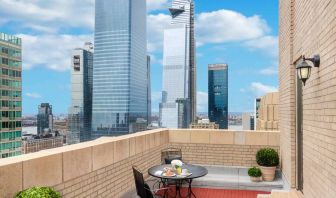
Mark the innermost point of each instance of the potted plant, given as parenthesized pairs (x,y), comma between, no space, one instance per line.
(268,160)
(45,192)
(255,174)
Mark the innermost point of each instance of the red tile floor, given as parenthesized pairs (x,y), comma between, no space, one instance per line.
(221,193)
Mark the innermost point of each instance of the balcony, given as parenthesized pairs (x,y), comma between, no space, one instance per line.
(102,168)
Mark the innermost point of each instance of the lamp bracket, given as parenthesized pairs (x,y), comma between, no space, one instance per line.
(315,60)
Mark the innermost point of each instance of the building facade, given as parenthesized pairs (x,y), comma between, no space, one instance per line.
(31,145)
(307,113)
(178,107)
(120,66)
(45,119)
(218,96)
(11,95)
(80,112)
(248,121)
(268,113)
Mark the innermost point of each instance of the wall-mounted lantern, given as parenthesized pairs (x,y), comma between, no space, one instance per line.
(304,69)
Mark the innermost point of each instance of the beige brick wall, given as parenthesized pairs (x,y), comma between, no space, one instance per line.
(269,112)
(287,76)
(102,168)
(226,148)
(310,28)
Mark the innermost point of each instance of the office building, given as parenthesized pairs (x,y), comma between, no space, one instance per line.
(178,107)
(248,121)
(218,94)
(11,95)
(80,112)
(45,119)
(268,112)
(204,124)
(31,144)
(120,66)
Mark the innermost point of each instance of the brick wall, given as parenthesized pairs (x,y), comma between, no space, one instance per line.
(269,112)
(287,87)
(102,168)
(113,180)
(220,155)
(226,148)
(308,27)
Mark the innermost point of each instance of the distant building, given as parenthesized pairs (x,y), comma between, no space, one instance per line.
(218,94)
(256,113)
(45,119)
(139,125)
(248,121)
(61,126)
(204,124)
(268,113)
(31,145)
(120,66)
(11,95)
(80,112)
(178,106)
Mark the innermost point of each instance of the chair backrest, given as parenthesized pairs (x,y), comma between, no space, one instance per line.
(141,187)
(167,155)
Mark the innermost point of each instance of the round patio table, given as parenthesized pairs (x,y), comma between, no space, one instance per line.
(197,172)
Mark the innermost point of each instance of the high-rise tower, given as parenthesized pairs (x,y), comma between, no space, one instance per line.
(11,95)
(80,112)
(119,67)
(218,94)
(178,107)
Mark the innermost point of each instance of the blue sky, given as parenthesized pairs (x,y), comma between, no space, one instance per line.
(242,33)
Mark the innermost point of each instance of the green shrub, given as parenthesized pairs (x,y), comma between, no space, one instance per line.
(267,157)
(38,192)
(254,172)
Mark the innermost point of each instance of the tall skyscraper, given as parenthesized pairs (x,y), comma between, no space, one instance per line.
(120,66)
(11,95)
(218,94)
(45,119)
(80,112)
(178,107)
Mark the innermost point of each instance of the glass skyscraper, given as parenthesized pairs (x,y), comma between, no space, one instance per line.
(120,66)
(218,94)
(178,107)
(45,119)
(80,112)
(11,95)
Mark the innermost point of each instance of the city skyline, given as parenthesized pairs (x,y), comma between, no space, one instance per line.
(253,36)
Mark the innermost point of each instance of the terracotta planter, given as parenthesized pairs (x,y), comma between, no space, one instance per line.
(268,173)
(256,179)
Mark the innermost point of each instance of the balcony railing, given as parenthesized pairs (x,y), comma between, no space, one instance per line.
(102,168)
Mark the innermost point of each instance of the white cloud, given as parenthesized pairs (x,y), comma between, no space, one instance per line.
(229,26)
(269,71)
(41,15)
(260,89)
(202,101)
(33,95)
(52,51)
(267,44)
(157,4)
(156,25)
